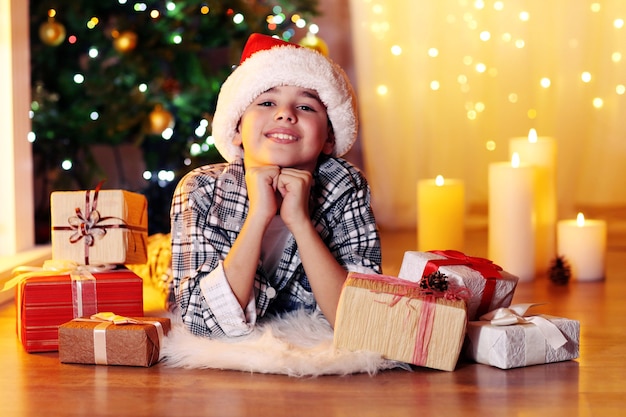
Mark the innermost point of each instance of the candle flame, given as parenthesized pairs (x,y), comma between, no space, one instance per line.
(439,180)
(515,160)
(532,136)
(580,220)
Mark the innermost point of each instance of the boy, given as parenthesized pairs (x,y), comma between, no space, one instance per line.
(278,227)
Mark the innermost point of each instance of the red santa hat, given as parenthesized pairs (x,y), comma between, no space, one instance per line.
(268,62)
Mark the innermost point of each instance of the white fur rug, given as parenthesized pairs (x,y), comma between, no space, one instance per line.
(297,344)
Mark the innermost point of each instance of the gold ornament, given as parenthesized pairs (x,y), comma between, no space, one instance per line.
(160,119)
(314,42)
(52,33)
(125,41)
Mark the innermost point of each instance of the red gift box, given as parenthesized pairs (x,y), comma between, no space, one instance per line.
(45,302)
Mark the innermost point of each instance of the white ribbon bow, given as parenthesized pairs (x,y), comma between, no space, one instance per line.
(516,314)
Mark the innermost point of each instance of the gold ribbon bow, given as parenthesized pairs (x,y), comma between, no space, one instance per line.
(106,319)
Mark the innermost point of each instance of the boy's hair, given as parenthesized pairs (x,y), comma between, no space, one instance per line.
(268,62)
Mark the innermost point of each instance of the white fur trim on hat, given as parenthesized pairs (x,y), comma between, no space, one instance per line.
(285,65)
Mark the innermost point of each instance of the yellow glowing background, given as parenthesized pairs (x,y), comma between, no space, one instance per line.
(443,85)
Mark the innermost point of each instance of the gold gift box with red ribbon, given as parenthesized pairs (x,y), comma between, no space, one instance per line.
(110,339)
(99,226)
(401,321)
(489,285)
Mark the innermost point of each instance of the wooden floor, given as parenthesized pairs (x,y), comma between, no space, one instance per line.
(593,385)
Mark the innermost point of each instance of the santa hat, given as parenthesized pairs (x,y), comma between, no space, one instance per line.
(268,62)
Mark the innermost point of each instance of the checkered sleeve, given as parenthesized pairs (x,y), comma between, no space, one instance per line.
(224,305)
(351,233)
(202,293)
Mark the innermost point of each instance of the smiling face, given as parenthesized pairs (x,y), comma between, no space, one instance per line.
(285,126)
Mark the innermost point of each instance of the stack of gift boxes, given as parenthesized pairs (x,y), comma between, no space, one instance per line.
(86,290)
(445,304)
(88,305)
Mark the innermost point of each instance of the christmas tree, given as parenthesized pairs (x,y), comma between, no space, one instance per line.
(144,74)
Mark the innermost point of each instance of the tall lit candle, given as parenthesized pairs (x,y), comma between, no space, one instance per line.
(582,242)
(440,214)
(511,236)
(541,152)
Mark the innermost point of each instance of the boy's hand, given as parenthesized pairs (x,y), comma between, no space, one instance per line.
(262,183)
(294,186)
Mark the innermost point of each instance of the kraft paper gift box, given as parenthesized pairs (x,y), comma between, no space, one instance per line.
(99,226)
(110,339)
(400,321)
(45,301)
(507,338)
(490,287)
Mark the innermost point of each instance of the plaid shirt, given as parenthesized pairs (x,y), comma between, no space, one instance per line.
(209,207)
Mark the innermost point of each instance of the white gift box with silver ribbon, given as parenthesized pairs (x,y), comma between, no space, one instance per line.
(508,338)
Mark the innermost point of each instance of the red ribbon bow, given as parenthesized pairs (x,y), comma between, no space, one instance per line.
(87,225)
(489,271)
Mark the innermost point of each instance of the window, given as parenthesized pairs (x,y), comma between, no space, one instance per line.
(16,173)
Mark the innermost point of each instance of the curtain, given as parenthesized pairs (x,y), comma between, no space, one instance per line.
(444,85)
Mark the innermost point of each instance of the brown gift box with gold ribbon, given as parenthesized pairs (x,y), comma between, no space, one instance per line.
(99,226)
(109,339)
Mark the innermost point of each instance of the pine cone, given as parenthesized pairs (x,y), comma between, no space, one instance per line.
(435,281)
(560,271)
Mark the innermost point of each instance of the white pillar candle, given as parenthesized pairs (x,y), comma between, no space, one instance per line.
(511,236)
(541,152)
(440,214)
(582,242)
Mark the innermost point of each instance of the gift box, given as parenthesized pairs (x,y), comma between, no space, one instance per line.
(400,320)
(110,339)
(505,338)
(99,226)
(45,301)
(158,268)
(490,287)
